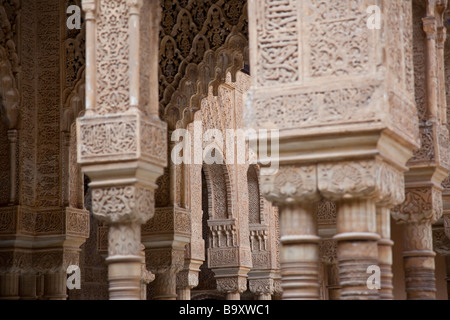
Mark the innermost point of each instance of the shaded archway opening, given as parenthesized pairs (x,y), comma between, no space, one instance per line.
(207,281)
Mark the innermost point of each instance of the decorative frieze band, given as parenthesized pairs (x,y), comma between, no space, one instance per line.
(52,221)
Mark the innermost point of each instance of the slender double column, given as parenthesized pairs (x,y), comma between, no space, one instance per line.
(341,121)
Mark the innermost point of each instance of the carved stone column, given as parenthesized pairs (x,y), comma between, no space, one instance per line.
(9,123)
(430,165)
(262,288)
(385,245)
(13,136)
(28,285)
(165,263)
(231,281)
(441,244)
(293,190)
(358,237)
(121,144)
(187,279)
(349,123)
(421,209)
(447,265)
(146,276)
(165,238)
(264,240)
(229,261)
(9,286)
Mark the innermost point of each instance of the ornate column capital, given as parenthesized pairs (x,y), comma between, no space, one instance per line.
(165,263)
(161,260)
(290,184)
(123,204)
(262,286)
(430,27)
(372,179)
(441,242)
(231,284)
(441,37)
(422,205)
(187,279)
(90,7)
(13,135)
(135,6)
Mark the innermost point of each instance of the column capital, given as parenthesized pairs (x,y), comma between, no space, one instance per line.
(231,284)
(90,7)
(187,279)
(441,37)
(430,27)
(422,205)
(441,242)
(290,184)
(135,6)
(13,135)
(161,260)
(262,286)
(372,179)
(123,204)
(146,276)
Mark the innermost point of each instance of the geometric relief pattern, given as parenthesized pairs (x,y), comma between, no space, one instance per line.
(113,57)
(106,139)
(313,108)
(277,33)
(338,38)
